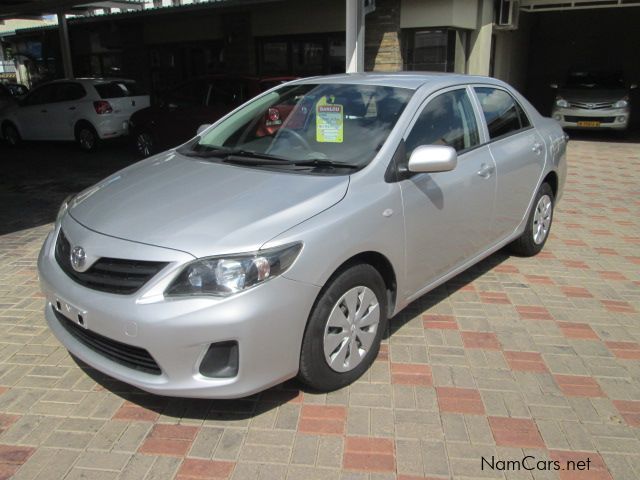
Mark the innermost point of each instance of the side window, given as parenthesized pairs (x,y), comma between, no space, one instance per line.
(68,92)
(502,113)
(41,95)
(448,119)
(192,94)
(227,93)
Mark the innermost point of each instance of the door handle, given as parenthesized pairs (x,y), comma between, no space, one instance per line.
(537,148)
(485,170)
(43,111)
(72,108)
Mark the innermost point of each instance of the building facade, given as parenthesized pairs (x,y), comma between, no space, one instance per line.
(170,41)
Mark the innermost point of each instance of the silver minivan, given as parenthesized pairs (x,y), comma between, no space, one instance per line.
(281,239)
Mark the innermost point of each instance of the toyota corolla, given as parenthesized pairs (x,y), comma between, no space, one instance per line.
(280,240)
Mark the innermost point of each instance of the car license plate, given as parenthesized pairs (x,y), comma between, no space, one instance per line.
(588,124)
(70,311)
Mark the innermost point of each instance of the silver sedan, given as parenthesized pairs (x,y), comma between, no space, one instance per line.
(281,239)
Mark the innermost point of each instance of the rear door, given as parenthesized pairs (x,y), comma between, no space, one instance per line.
(64,111)
(519,153)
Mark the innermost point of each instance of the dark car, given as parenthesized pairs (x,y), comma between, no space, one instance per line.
(10,93)
(593,100)
(178,113)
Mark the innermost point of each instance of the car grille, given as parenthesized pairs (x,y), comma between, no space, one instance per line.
(591,105)
(113,275)
(574,119)
(126,355)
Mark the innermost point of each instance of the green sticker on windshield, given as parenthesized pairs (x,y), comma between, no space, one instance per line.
(329,122)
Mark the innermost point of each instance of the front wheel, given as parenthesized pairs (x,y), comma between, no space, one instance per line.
(346,325)
(538,227)
(145,146)
(11,134)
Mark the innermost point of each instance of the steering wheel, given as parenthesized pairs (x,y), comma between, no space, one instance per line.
(296,136)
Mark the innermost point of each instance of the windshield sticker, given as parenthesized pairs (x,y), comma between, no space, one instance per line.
(329,122)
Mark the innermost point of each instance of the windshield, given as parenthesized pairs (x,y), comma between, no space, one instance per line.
(342,124)
(592,80)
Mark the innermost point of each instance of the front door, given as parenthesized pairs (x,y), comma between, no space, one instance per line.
(448,215)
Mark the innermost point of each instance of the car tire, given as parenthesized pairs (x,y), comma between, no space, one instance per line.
(340,331)
(144,144)
(87,137)
(11,134)
(539,222)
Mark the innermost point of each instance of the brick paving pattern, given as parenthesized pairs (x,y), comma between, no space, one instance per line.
(518,357)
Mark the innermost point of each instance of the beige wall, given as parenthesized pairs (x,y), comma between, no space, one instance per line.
(294,17)
(512,53)
(438,13)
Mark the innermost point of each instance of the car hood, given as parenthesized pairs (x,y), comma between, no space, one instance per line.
(203,208)
(592,95)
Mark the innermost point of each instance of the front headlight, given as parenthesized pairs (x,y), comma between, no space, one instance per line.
(63,208)
(225,275)
(562,103)
(624,103)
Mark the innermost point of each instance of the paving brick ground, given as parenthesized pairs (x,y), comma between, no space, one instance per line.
(519,357)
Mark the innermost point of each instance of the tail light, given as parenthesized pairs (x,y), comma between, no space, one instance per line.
(102,107)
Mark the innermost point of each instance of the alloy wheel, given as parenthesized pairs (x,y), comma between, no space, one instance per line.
(87,139)
(542,219)
(144,144)
(351,329)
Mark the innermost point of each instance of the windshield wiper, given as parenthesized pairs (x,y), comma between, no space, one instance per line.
(323,162)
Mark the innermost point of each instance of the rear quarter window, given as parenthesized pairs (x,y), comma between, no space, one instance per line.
(118,89)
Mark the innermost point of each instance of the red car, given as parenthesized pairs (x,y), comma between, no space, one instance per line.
(178,114)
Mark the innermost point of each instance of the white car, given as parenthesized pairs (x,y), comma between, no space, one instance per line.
(86,110)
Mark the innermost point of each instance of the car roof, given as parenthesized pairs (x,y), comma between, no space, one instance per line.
(89,80)
(410,80)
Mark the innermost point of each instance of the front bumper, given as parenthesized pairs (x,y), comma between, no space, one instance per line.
(267,321)
(596,119)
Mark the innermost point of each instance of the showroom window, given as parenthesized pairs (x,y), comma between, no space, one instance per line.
(429,50)
(301,55)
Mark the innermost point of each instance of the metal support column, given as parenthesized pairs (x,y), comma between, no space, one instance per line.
(65,47)
(355,36)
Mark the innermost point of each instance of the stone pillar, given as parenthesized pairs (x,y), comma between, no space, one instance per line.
(382,38)
(239,49)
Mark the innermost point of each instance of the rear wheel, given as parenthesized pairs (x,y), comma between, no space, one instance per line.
(145,144)
(343,334)
(87,137)
(539,221)
(11,134)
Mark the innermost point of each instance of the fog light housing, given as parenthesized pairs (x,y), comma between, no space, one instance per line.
(221,360)
(557,117)
(621,118)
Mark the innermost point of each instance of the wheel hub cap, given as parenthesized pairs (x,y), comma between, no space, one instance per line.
(542,219)
(351,329)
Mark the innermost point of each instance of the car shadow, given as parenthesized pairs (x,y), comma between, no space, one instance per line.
(290,391)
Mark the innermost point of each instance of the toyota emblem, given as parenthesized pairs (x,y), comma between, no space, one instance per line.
(78,258)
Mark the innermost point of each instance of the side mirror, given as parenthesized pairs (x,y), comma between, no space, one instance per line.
(633,86)
(433,158)
(554,86)
(202,128)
